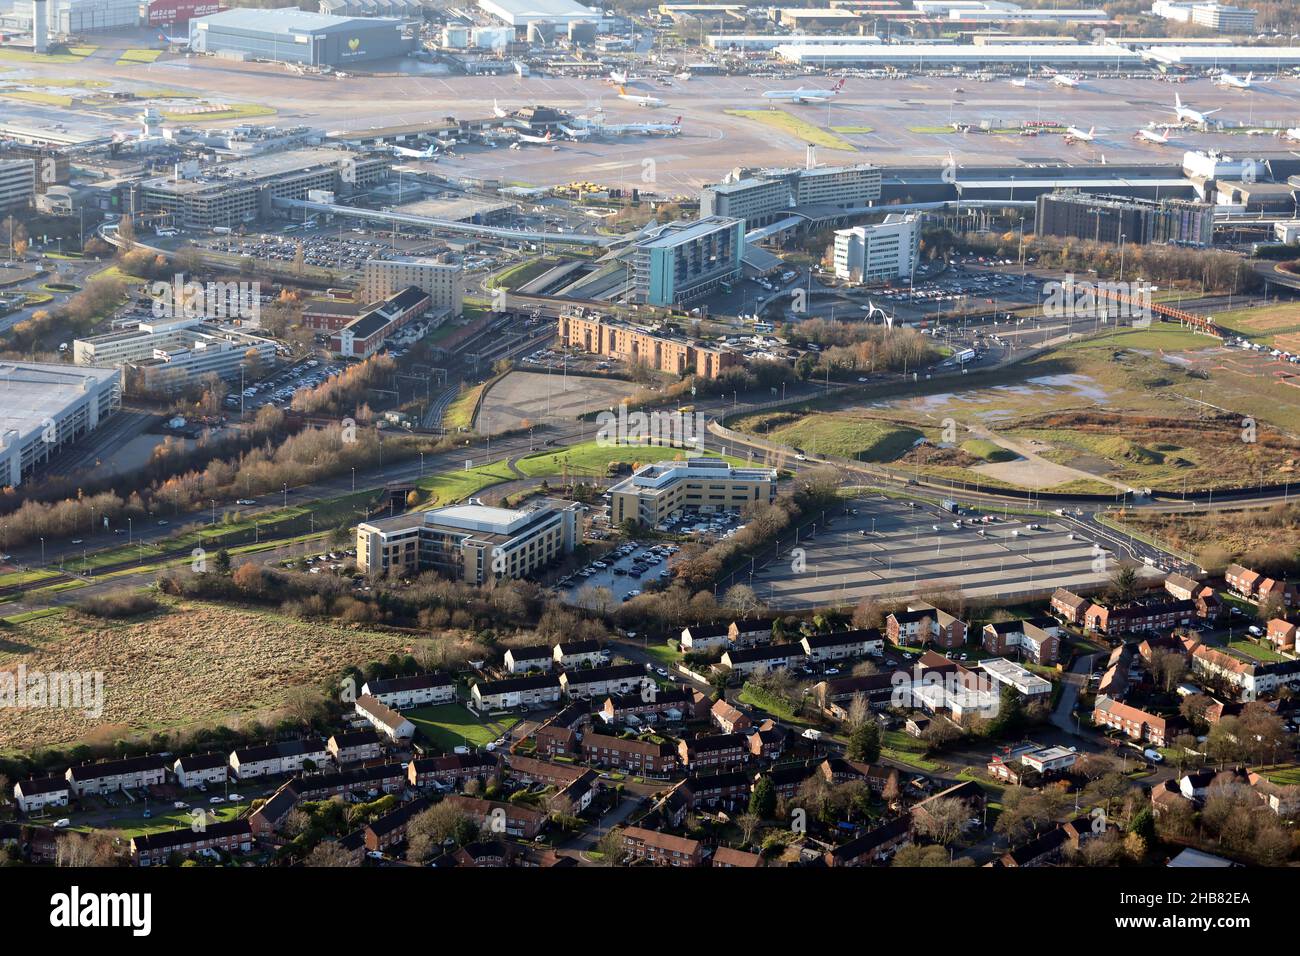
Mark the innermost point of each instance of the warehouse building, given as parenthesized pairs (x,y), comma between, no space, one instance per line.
(290,35)
(969,56)
(683,261)
(243,190)
(46,407)
(1210,57)
(68,17)
(407,9)
(471,542)
(698,484)
(1106,218)
(555,13)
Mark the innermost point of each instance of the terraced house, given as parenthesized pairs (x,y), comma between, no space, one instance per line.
(113,775)
(650,756)
(923,624)
(418,690)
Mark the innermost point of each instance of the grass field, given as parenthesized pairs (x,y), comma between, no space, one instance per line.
(1257,651)
(189,662)
(795,126)
(853,130)
(452,725)
(460,413)
(452,486)
(138,56)
(37,96)
(168,819)
(234,111)
(848,436)
(988,450)
(75,54)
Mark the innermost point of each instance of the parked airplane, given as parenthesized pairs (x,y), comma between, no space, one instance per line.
(175,41)
(1062,79)
(1151,136)
(1235,82)
(1018,81)
(546,140)
(1074,134)
(424,153)
(1189,115)
(647,101)
(1292,134)
(498,112)
(802,95)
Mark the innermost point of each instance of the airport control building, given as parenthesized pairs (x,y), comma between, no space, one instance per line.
(46,407)
(294,36)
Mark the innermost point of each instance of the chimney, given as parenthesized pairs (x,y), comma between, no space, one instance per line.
(40,26)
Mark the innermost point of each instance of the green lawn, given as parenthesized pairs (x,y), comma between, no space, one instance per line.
(1257,651)
(138,56)
(903,747)
(865,439)
(452,725)
(988,450)
(169,819)
(460,413)
(593,458)
(1284,775)
(795,126)
(452,486)
(664,655)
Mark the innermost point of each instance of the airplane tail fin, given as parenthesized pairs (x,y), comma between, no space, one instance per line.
(1178,101)
(1092,131)
(838,86)
(677,121)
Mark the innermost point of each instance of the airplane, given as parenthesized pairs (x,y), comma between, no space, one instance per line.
(424,153)
(1151,136)
(647,101)
(174,41)
(1075,135)
(1189,115)
(1234,82)
(546,140)
(620,77)
(1292,134)
(804,96)
(498,112)
(686,75)
(1019,82)
(1062,79)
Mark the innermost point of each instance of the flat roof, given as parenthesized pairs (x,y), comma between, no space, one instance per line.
(540,9)
(31,393)
(1006,52)
(671,235)
(290,19)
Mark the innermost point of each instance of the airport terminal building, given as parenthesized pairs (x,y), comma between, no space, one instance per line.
(46,407)
(294,36)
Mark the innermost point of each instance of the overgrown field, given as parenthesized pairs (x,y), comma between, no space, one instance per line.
(190,663)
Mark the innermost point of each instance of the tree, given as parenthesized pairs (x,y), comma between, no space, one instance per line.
(741,599)
(610,847)
(762,798)
(749,824)
(944,819)
(1144,825)
(864,742)
(1123,585)
(429,830)
(914,855)
(222,562)
(329,853)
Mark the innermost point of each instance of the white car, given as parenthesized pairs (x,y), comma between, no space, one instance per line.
(217,799)
(61,823)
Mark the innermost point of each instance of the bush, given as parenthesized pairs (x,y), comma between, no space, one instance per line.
(118,604)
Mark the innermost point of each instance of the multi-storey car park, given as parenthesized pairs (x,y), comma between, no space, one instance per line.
(243,190)
(46,407)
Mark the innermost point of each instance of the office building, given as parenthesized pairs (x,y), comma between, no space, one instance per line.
(440,280)
(47,407)
(525,13)
(290,35)
(697,484)
(471,542)
(1216,16)
(683,261)
(880,252)
(1103,218)
(17,184)
(244,190)
(660,350)
(169,356)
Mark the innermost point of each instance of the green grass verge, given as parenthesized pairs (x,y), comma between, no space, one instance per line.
(795,126)
(452,725)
